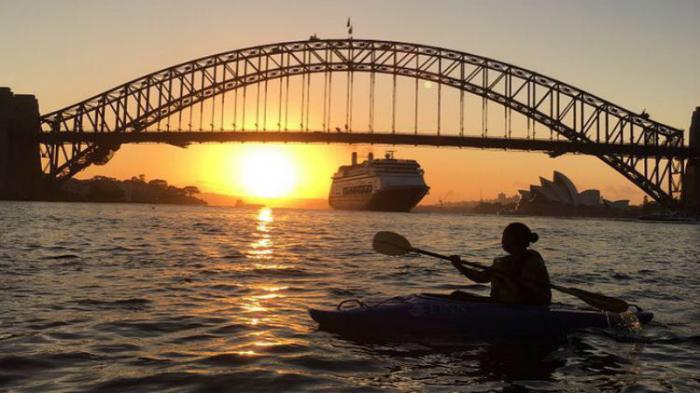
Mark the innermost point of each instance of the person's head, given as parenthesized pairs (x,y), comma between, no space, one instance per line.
(517,237)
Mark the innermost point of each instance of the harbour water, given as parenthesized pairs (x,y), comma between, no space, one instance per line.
(114,298)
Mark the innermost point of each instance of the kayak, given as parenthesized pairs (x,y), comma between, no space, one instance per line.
(469,315)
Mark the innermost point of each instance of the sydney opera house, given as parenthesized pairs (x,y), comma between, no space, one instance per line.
(560,196)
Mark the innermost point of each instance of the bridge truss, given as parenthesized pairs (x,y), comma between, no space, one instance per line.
(155,107)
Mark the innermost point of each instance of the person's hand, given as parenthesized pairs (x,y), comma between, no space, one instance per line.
(456,260)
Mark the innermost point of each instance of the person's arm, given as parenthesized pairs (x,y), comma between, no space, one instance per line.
(480,276)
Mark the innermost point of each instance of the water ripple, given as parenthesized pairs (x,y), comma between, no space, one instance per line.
(197,299)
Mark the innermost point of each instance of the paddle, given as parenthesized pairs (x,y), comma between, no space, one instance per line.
(390,243)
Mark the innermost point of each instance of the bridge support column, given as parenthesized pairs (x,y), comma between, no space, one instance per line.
(691,180)
(20,161)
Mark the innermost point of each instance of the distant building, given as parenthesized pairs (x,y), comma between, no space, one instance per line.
(501,198)
(560,195)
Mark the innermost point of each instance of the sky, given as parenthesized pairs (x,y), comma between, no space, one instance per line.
(638,54)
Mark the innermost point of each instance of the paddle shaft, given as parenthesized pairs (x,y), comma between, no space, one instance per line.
(480,266)
(391,243)
(594,299)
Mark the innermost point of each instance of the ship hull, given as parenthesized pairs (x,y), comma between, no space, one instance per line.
(394,199)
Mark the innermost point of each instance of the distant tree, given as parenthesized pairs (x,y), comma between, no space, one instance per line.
(158,183)
(104,179)
(190,190)
(138,179)
(172,190)
(105,189)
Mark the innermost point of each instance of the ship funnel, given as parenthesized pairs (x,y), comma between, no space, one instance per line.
(354,158)
(370,156)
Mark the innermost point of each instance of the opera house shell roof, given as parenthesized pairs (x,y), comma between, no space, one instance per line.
(561,190)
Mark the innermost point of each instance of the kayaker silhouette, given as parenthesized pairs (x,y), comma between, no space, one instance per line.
(520,277)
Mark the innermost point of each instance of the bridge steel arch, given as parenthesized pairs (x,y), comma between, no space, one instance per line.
(581,117)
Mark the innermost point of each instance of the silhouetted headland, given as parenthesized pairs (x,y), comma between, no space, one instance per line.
(134,190)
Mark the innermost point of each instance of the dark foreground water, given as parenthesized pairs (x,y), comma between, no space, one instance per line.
(107,298)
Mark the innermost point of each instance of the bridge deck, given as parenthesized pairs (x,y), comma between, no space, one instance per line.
(183,138)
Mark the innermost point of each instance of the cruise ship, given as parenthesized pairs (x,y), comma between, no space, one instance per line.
(386,184)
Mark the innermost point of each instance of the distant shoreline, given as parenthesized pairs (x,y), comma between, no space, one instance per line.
(629,218)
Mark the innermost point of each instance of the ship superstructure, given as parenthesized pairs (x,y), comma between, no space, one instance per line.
(387,184)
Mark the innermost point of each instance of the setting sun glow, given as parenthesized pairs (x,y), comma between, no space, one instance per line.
(268,172)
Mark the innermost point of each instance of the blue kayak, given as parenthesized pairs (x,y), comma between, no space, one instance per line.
(469,315)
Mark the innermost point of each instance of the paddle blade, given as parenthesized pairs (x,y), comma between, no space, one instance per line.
(596,300)
(390,243)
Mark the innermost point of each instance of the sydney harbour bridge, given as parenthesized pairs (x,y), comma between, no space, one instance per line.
(346,91)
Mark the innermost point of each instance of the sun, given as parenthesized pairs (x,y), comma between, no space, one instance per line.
(268,172)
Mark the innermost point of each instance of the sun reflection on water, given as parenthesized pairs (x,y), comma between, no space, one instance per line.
(246,353)
(259,305)
(262,247)
(253,306)
(267,296)
(265,215)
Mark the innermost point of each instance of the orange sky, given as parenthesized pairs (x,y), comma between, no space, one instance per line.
(479,173)
(641,55)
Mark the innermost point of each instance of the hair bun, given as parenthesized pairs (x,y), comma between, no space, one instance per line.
(534,237)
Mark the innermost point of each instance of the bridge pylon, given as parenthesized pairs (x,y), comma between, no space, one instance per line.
(21,176)
(691,180)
